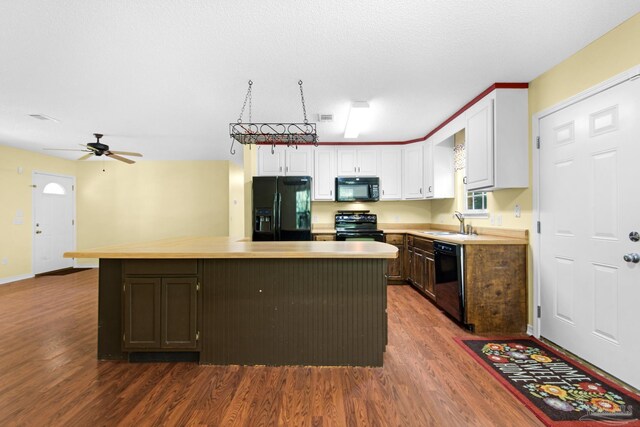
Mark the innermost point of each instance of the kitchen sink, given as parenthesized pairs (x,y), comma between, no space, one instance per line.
(443,233)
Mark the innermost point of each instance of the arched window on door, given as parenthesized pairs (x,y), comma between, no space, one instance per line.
(54,188)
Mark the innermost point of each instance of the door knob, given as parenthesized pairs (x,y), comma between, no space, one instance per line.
(634,236)
(632,257)
(38,232)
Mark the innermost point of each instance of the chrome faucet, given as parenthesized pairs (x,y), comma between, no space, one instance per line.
(460,217)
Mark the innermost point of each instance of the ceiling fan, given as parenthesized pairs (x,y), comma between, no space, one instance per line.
(99,149)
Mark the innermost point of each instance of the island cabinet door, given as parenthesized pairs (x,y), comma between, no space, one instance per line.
(179,312)
(141,308)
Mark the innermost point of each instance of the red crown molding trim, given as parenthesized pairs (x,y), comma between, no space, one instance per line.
(443,124)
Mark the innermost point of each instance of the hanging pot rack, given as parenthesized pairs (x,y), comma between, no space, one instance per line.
(290,134)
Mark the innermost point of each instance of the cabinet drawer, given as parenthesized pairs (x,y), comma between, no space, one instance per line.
(424,244)
(161,266)
(394,239)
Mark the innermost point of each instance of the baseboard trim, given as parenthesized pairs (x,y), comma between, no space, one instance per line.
(6,280)
(530,330)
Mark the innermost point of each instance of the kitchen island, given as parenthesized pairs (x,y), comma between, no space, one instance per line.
(222,301)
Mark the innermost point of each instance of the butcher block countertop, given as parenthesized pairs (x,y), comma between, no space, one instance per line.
(229,247)
(485,236)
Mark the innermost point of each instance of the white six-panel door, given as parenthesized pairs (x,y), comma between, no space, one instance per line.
(589,203)
(53,222)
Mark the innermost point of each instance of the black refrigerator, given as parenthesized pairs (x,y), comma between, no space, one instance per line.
(281,208)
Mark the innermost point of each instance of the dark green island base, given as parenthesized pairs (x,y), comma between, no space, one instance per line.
(245,311)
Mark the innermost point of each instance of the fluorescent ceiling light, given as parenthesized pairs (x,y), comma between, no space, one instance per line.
(358,118)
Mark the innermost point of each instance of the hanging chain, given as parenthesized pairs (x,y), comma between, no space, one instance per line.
(304,108)
(244,104)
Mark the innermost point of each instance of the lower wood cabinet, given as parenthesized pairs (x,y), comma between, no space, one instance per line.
(160,313)
(421,266)
(395,267)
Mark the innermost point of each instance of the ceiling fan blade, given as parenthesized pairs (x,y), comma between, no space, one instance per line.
(62,149)
(86,156)
(122,159)
(126,153)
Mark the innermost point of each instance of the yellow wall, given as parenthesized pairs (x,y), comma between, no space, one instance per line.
(151,200)
(126,203)
(250,162)
(16,240)
(414,211)
(236,200)
(613,53)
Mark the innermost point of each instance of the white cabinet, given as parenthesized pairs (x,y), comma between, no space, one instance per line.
(270,164)
(496,141)
(412,180)
(357,161)
(285,161)
(439,169)
(325,173)
(390,173)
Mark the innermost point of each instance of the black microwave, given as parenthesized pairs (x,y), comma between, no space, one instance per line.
(357,189)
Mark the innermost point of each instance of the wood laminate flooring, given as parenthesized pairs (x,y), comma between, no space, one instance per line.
(49,374)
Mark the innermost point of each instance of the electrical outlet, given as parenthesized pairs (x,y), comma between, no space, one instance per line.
(396,218)
(492,219)
(314,218)
(498,219)
(517,211)
(5,261)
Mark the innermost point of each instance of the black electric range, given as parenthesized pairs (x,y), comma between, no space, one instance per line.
(357,225)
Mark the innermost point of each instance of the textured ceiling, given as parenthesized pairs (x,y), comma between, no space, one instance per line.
(165,77)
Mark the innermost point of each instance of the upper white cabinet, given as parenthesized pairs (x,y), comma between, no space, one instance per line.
(390,172)
(357,161)
(496,141)
(285,161)
(325,173)
(412,180)
(439,169)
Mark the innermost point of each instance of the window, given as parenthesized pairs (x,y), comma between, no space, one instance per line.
(54,188)
(476,202)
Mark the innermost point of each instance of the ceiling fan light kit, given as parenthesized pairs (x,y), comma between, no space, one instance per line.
(249,133)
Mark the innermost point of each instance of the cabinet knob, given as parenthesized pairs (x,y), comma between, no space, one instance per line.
(420,190)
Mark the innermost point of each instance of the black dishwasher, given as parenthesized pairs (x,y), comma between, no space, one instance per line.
(449,286)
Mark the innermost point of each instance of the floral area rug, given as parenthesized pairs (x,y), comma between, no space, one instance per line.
(559,391)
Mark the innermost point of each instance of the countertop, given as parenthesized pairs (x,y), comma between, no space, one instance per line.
(228,247)
(487,236)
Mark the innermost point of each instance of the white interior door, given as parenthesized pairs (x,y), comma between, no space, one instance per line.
(589,204)
(53,222)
